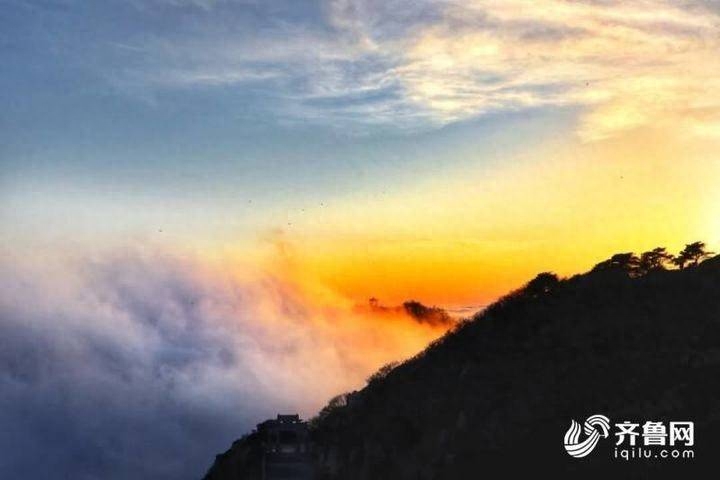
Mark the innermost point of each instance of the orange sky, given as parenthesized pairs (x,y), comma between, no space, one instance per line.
(483,233)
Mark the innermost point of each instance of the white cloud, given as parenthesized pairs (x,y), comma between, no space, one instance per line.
(138,344)
(629,64)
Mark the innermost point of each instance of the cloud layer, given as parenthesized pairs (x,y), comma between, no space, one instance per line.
(139,365)
(401,63)
(624,64)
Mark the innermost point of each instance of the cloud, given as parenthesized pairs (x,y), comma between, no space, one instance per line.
(406,64)
(625,64)
(142,365)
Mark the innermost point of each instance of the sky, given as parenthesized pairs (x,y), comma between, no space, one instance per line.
(196,194)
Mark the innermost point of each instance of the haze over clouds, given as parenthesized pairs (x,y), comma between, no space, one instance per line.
(144,365)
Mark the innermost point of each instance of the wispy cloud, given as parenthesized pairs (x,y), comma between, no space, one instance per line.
(628,64)
(623,62)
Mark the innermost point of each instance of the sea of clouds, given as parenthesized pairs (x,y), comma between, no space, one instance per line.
(138,364)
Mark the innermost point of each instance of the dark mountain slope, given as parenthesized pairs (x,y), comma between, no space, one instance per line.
(495,396)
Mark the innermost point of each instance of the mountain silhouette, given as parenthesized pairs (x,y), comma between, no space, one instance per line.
(495,396)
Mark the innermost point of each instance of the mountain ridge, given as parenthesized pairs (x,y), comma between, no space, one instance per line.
(497,393)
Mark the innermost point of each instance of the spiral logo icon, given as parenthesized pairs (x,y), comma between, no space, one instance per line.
(595,426)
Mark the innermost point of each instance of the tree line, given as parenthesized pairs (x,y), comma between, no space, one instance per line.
(656,259)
